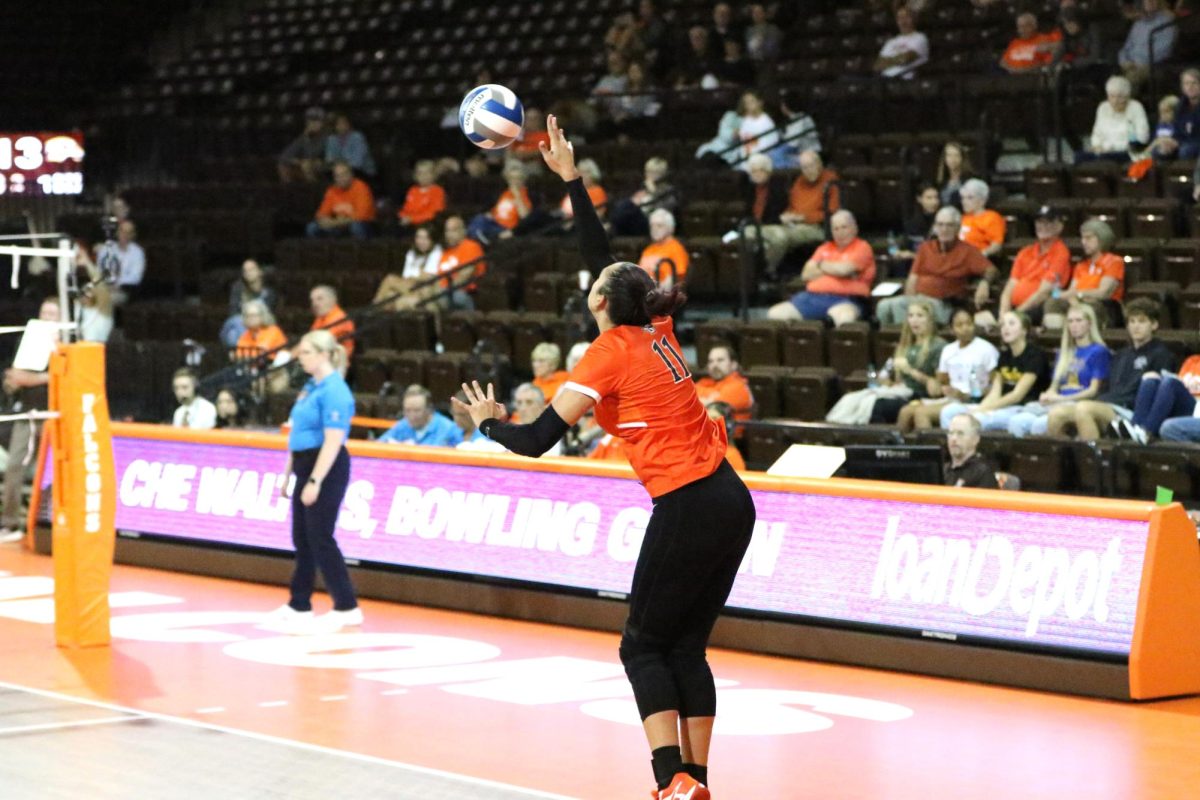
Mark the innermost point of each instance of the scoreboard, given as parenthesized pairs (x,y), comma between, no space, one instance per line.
(41,163)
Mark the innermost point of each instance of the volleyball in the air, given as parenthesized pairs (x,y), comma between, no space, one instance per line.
(491,116)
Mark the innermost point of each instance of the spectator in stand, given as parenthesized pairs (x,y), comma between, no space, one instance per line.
(421,263)
(764,193)
(1021,372)
(261,335)
(1031,49)
(1135,56)
(533,133)
(838,277)
(1121,125)
(1196,183)
(589,170)
(902,54)
(940,273)
(763,37)
(665,258)
(229,410)
(631,216)
(1079,374)
(194,411)
(1185,141)
(804,219)
(1039,268)
(725,382)
(953,171)
(1081,44)
(95,300)
(349,146)
(1144,354)
(639,103)
(460,249)
(251,286)
(544,362)
(982,228)
(918,228)
(304,159)
(1098,279)
(348,208)
(964,372)
(1164,129)
(734,69)
(696,63)
(24,390)
(1164,399)
(798,132)
(966,468)
(421,424)
(424,200)
(624,37)
(608,89)
(328,315)
(513,205)
(130,267)
(723,413)
(653,32)
(914,363)
(756,131)
(725,147)
(723,28)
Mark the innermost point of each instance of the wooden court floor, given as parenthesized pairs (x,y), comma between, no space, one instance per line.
(519,709)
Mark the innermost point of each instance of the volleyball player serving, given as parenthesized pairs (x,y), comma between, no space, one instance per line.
(703,514)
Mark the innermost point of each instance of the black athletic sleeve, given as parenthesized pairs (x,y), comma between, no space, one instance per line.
(531,440)
(593,241)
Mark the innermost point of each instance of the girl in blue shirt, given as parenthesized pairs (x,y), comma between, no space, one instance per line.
(1079,373)
(320,423)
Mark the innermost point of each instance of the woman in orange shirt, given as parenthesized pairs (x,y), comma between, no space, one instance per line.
(511,207)
(263,344)
(703,517)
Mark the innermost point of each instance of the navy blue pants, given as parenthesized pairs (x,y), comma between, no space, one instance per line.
(312,534)
(694,544)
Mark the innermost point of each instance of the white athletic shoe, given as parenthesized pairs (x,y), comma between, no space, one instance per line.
(11,535)
(286,619)
(334,621)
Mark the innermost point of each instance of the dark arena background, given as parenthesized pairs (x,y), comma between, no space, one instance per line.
(1017,621)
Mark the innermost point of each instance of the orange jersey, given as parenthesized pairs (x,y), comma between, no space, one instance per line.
(464,252)
(1032,266)
(505,211)
(343,328)
(645,396)
(732,389)
(610,448)
(423,203)
(1089,274)
(254,343)
(598,196)
(734,457)
(656,252)
(982,230)
(550,384)
(356,202)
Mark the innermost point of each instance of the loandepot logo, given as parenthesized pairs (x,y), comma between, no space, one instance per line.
(1035,582)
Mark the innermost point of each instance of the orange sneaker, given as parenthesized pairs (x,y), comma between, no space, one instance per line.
(684,787)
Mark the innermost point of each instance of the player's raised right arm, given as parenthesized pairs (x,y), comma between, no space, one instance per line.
(560,158)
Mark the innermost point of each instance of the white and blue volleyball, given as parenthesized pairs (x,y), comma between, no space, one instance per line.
(491,116)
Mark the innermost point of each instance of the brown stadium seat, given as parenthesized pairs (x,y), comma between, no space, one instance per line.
(1139,259)
(445,374)
(760,344)
(714,332)
(702,272)
(803,344)
(413,330)
(459,332)
(495,292)
(547,291)
(1165,292)
(808,393)
(1154,218)
(1042,463)
(1114,211)
(850,347)
(1093,179)
(1045,183)
(763,444)
(496,327)
(1140,470)
(1179,261)
(408,368)
(766,384)
(1189,307)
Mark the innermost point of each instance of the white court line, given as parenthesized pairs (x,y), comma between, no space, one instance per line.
(210,710)
(314,748)
(333,698)
(58,726)
(272,703)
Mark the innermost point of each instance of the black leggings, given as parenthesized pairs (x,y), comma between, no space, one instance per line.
(693,547)
(312,533)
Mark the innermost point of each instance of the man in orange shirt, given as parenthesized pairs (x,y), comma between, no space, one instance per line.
(941,271)
(804,219)
(329,315)
(424,200)
(839,277)
(664,251)
(981,228)
(1030,49)
(348,207)
(1039,268)
(725,383)
(460,249)
(511,207)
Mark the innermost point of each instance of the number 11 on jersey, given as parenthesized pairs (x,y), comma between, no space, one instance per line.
(675,362)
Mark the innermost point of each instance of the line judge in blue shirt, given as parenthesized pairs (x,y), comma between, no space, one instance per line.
(421,424)
(320,423)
